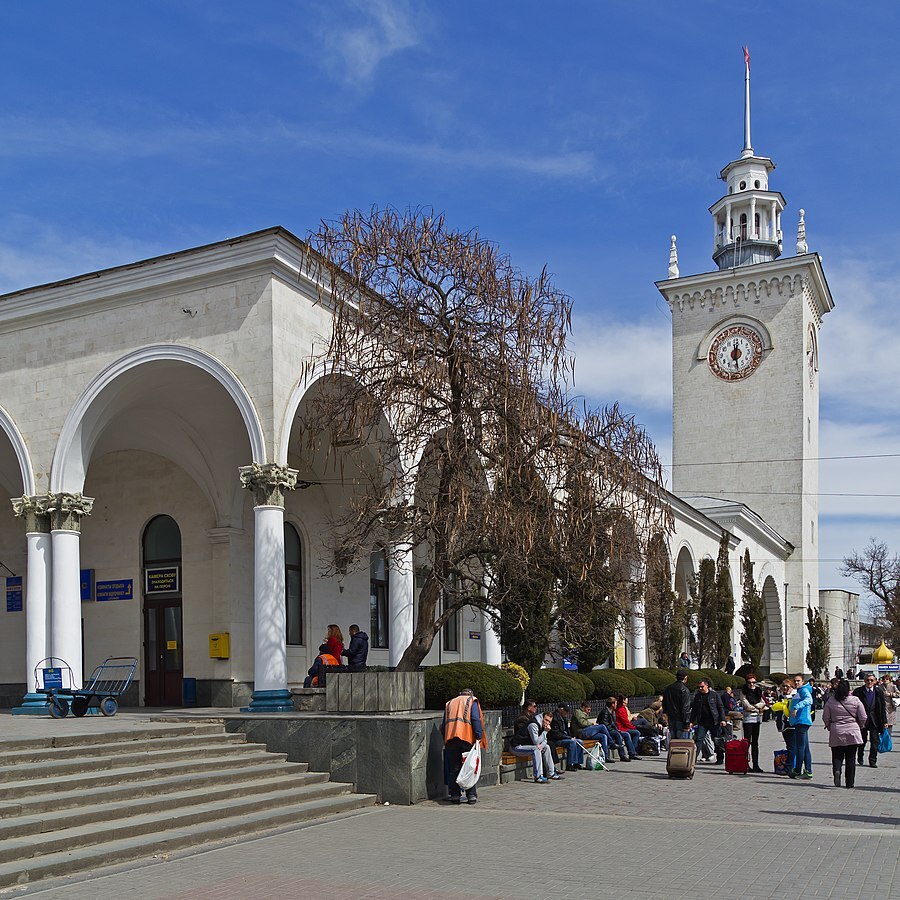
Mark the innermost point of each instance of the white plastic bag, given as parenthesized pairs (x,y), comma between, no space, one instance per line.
(594,760)
(471,768)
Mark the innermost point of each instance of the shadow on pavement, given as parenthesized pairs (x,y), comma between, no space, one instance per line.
(834,817)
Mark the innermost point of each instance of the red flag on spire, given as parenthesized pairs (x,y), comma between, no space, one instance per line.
(747,56)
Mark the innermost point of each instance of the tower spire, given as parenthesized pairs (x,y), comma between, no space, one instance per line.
(748,147)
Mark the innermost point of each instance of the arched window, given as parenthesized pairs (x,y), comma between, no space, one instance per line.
(162,541)
(743,226)
(451,629)
(293,585)
(756,225)
(378,599)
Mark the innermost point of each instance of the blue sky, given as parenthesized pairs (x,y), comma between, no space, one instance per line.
(579,136)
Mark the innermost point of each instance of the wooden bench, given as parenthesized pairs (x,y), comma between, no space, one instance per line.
(514,767)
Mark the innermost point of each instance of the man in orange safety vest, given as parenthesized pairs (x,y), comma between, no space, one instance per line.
(462,727)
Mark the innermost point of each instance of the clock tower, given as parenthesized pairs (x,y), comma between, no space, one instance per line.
(745,375)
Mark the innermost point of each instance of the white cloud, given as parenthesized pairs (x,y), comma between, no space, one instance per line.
(33,253)
(626,361)
(370,32)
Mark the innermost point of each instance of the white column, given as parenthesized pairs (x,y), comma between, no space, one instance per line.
(401,591)
(37,597)
(490,637)
(752,233)
(66,512)
(638,637)
(270,689)
(728,237)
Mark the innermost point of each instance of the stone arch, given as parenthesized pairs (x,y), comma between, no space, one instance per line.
(23,458)
(773,655)
(91,411)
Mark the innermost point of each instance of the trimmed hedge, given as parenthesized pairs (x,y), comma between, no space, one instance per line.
(642,687)
(554,685)
(694,678)
(580,678)
(660,679)
(610,682)
(493,687)
(777,677)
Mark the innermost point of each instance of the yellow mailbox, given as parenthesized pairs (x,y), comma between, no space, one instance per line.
(220,645)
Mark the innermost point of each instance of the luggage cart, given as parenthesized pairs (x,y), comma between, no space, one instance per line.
(53,677)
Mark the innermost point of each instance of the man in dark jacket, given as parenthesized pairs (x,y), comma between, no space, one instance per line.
(677,706)
(560,735)
(873,700)
(708,715)
(358,651)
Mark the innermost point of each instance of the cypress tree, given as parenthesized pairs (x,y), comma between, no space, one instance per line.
(723,623)
(753,617)
(819,642)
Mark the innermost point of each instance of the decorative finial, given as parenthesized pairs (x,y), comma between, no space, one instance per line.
(748,147)
(673,259)
(802,246)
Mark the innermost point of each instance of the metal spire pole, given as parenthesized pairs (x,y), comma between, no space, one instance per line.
(748,147)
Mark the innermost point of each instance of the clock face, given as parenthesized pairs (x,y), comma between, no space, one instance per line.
(735,353)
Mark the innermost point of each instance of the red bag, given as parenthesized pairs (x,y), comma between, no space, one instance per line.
(737,757)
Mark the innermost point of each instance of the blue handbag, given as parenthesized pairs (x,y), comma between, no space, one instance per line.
(885,744)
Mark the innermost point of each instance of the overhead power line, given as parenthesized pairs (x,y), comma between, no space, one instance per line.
(743,462)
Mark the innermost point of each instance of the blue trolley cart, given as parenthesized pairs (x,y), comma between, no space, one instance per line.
(53,677)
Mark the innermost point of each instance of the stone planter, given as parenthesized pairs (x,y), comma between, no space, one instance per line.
(374,692)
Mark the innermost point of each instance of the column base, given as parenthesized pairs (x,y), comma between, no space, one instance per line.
(270,701)
(33,705)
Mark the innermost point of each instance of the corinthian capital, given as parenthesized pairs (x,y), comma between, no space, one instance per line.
(34,510)
(66,510)
(268,482)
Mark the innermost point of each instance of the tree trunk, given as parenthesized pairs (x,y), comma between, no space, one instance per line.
(425,631)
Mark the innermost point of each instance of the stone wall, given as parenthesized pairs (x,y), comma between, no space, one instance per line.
(399,758)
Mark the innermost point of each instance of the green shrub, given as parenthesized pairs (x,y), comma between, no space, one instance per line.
(642,687)
(695,676)
(555,685)
(580,678)
(610,682)
(777,677)
(716,676)
(744,670)
(493,687)
(660,679)
(737,681)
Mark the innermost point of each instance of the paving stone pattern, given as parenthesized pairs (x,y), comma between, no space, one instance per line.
(590,835)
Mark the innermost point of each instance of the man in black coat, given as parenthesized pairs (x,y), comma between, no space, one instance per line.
(708,715)
(873,700)
(358,651)
(677,706)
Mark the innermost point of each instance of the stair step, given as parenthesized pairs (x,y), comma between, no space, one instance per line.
(71,753)
(106,737)
(124,849)
(116,815)
(251,757)
(87,764)
(243,780)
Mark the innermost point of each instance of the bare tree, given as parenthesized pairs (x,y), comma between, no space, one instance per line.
(879,573)
(455,376)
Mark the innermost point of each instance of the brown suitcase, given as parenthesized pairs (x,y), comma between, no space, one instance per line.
(682,759)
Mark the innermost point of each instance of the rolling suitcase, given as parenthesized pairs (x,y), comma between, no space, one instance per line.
(682,759)
(737,757)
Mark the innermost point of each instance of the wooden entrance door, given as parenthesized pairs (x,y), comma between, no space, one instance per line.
(163,652)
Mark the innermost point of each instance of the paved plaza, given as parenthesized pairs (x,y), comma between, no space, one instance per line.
(630,832)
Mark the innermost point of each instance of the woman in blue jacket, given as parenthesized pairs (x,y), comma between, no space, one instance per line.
(801,719)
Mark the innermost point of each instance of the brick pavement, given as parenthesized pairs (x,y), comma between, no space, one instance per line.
(589,835)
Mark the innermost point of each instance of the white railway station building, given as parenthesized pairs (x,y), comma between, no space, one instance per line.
(158,494)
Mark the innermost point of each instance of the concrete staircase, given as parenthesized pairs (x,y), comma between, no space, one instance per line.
(79,802)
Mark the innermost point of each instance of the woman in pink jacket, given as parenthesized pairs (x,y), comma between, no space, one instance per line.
(844,717)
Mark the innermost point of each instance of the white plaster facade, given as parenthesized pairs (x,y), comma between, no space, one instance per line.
(146,388)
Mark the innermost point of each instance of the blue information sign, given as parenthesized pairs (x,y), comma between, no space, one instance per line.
(53,679)
(87,584)
(115,590)
(14,594)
